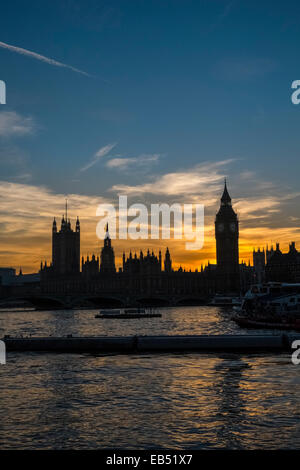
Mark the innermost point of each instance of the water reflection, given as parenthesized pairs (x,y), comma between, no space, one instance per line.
(177,320)
(184,401)
(56,415)
(231,399)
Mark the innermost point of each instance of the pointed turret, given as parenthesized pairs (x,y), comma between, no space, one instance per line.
(65,245)
(107,263)
(225,199)
(107,239)
(168,261)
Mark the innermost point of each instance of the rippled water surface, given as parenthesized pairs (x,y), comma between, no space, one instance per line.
(190,401)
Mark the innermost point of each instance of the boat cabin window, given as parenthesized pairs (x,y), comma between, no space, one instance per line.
(275,290)
(290,289)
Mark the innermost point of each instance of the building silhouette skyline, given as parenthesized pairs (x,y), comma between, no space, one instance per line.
(66,244)
(150,274)
(146,272)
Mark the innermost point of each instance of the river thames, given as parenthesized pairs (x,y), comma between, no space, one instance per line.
(144,401)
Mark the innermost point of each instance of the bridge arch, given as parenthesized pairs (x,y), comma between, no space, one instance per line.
(40,302)
(189,301)
(153,301)
(100,301)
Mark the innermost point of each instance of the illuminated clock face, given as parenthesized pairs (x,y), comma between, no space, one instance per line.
(232,227)
(220,227)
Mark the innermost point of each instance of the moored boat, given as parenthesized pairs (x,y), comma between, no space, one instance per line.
(225,301)
(266,324)
(271,306)
(127,313)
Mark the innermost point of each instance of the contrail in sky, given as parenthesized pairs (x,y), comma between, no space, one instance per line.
(101,153)
(34,55)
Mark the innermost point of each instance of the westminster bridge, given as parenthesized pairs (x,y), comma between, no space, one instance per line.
(104,300)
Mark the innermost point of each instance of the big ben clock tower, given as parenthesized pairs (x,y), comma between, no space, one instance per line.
(227,243)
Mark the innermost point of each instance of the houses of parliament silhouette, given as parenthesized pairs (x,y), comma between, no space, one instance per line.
(147,275)
(151,278)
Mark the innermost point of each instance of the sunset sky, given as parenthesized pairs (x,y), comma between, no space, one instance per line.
(156,100)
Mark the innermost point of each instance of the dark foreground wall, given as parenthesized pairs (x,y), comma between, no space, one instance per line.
(135,344)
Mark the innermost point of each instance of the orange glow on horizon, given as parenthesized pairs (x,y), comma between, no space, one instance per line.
(27,215)
(32,251)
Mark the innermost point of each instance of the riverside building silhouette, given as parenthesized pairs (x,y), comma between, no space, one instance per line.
(274,265)
(148,278)
(147,274)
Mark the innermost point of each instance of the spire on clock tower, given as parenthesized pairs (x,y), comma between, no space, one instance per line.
(226,210)
(225,199)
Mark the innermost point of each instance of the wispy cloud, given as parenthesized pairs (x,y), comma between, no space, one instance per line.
(257,207)
(24,177)
(13,124)
(201,179)
(14,162)
(97,156)
(226,10)
(124,163)
(42,58)
(262,206)
(223,15)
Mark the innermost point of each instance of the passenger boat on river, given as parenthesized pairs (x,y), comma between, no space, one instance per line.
(128,313)
(270,306)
